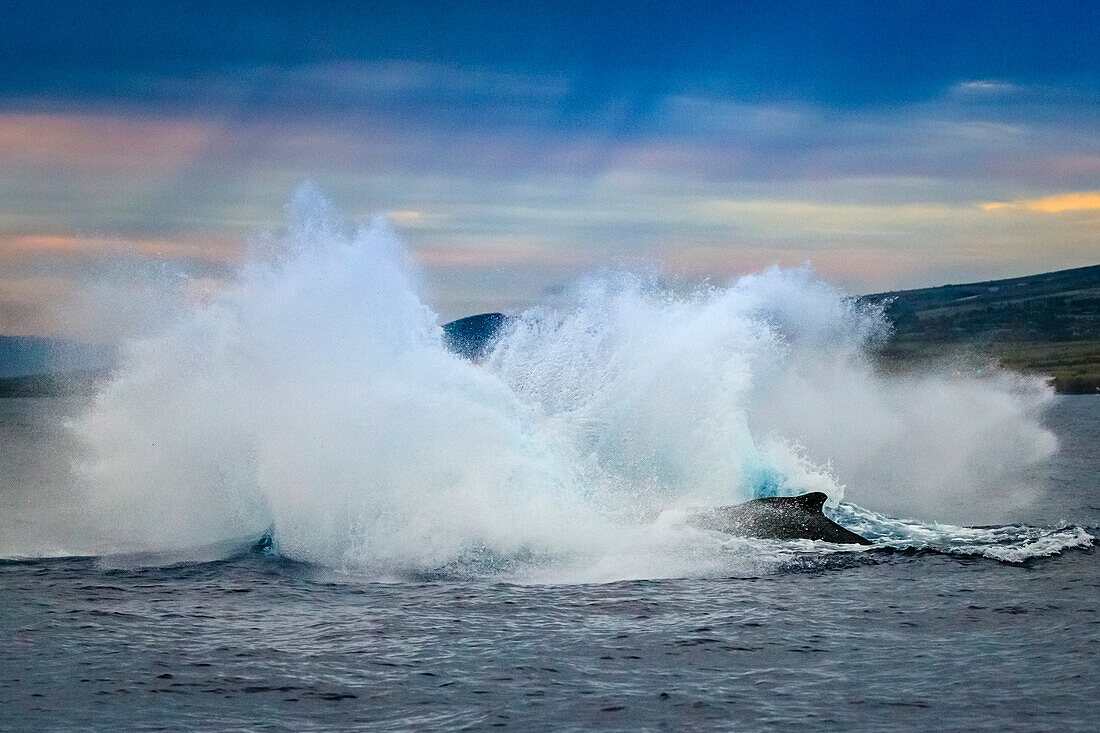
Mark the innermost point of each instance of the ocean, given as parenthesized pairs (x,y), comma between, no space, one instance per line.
(857,640)
(290,507)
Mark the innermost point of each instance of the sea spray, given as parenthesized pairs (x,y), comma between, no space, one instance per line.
(314,397)
(648,391)
(767,386)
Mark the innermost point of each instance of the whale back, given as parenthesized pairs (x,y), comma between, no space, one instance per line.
(780,518)
(473,336)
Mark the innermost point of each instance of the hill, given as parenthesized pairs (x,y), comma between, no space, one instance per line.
(22,356)
(38,367)
(1045,324)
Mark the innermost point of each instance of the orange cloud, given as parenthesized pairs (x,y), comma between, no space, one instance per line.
(115,140)
(222,250)
(1079,201)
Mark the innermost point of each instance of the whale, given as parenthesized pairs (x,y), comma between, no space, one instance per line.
(778,518)
(773,517)
(473,336)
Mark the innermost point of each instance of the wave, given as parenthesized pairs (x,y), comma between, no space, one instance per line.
(1011,543)
(314,396)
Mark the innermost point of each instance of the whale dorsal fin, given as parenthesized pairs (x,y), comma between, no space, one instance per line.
(811,502)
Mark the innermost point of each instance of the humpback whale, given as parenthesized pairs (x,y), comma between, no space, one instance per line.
(472,336)
(780,517)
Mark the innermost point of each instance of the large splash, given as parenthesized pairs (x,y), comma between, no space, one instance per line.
(314,398)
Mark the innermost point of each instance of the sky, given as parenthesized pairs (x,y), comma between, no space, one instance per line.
(515,146)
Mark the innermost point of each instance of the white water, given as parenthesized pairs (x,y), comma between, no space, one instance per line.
(313,396)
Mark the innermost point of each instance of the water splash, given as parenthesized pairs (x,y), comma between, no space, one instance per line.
(314,398)
(1013,543)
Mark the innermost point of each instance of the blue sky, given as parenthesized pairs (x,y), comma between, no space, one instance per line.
(513,147)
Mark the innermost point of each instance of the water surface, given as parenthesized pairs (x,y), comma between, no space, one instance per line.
(813,639)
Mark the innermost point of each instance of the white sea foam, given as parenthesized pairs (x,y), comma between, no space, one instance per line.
(314,396)
(1011,543)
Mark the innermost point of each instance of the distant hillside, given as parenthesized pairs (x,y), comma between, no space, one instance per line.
(52,384)
(27,355)
(1045,324)
(36,367)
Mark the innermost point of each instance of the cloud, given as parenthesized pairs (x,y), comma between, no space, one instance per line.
(983,87)
(102,140)
(1078,201)
(518,252)
(24,247)
(505,184)
(835,223)
(422,79)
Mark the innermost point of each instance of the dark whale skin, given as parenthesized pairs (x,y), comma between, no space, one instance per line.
(779,518)
(471,337)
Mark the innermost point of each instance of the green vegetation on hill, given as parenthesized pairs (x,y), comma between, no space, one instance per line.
(1045,324)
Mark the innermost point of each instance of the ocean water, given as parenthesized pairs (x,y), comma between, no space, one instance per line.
(859,640)
(290,508)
